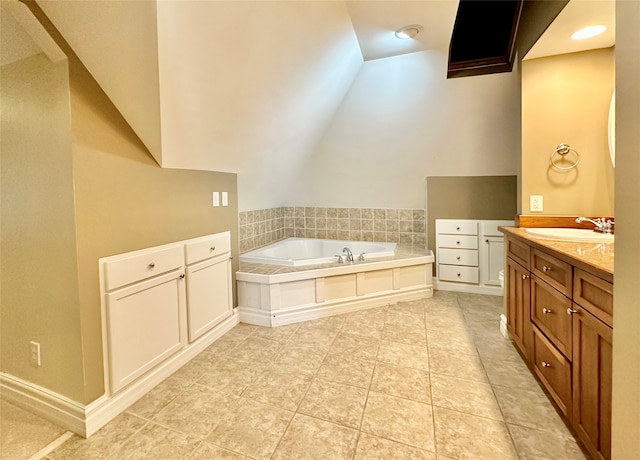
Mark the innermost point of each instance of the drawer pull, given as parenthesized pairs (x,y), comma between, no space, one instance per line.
(459,275)
(182,276)
(458,228)
(212,248)
(457,242)
(546,311)
(546,269)
(458,258)
(524,277)
(571,311)
(544,364)
(151,265)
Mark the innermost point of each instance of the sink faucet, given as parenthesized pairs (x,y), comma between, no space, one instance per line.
(349,254)
(602,225)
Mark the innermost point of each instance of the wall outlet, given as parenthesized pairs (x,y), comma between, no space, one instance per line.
(34,353)
(225,199)
(216,199)
(535,203)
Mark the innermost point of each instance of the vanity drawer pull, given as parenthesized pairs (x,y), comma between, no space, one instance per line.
(151,265)
(545,364)
(546,311)
(571,311)
(546,269)
(524,277)
(212,248)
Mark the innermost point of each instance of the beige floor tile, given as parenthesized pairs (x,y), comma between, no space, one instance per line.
(485,330)
(254,350)
(478,313)
(532,444)
(510,373)
(374,448)
(107,441)
(333,323)
(454,341)
(243,329)
(335,402)
(206,450)
(154,401)
(347,369)
(466,396)
(408,422)
(463,366)
(315,337)
(196,411)
(356,345)
(468,300)
(404,355)
(369,315)
(305,359)
(280,386)
(530,408)
(403,382)
(22,433)
(496,349)
(308,438)
(194,369)
(279,333)
(413,335)
(467,436)
(158,442)
(251,428)
(445,318)
(365,328)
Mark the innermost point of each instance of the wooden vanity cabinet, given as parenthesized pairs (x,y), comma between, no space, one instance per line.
(560,317)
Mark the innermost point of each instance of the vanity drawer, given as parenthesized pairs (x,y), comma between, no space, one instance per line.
(549,311)
(207,247)
(142,266)
(518,251)
(458,241)
(594,294)
(554,370)
(557,273)
(458,257)
(458,274)
(457,227)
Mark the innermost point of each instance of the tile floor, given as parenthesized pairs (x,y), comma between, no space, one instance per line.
(430,379)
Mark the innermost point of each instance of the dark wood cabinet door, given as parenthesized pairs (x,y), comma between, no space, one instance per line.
(592,366)
(519,307)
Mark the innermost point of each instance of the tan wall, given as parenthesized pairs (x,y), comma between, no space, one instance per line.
(38,249)
(565,99)
(626,341)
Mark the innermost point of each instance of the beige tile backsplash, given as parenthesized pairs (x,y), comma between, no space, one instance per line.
(265,226)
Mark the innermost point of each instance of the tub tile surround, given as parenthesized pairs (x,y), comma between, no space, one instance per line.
(387,225)
(353,395)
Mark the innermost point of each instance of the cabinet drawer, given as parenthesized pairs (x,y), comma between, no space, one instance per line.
(554,370)
(457,227)
(557,273)
(458,241)
(458,257)
(458,273)
(594,294)
(207,247)
(490,227)
(518,251)
(550,312)
(139,267)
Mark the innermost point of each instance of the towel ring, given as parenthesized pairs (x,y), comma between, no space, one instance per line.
(562,150)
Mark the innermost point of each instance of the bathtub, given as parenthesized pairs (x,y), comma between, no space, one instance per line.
(273,289)
(299,252)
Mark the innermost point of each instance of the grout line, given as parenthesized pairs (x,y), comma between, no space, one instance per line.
(42,453)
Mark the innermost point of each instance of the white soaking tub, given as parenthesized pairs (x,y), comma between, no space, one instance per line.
(299,252)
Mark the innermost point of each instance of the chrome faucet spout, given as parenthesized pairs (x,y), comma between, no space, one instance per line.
(349,254)
(602,225)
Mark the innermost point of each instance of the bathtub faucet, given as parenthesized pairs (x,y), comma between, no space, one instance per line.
(602,225)
(349,254)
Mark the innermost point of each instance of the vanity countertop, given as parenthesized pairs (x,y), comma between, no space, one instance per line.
(596,258)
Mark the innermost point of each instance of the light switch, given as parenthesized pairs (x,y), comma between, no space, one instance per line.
(225,199)
(216,199)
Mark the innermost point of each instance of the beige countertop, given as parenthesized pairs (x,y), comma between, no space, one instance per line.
(596,258)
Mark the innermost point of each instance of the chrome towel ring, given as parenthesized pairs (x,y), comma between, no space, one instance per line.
(562,150)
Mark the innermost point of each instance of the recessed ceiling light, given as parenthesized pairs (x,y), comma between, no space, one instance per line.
(588,32)
(408,31)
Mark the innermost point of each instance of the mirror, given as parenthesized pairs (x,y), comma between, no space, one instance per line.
(612,129)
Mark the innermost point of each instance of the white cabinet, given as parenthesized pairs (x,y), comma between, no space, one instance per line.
(470,255)
(146,312)
(209,297)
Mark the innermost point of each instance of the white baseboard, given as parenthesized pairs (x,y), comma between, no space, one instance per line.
(503,326)
(297,314)
(87,419)
(470,288)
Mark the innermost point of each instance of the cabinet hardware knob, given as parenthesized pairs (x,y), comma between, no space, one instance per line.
(545,364)
(458,258)
(459,275)
(458,228)
(457,242)
(571,311)
(486,241)
(546,311)
(151,265)
(524,277)
(212,248)
(546,269)
(182,276)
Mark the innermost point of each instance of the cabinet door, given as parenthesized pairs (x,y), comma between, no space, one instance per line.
(592,359)
(208,295)
(519,307)
(492,260)
(146,323)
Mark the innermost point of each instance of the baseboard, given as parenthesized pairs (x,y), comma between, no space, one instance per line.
(87,419)
(503,326)
(297,314)
(470,288)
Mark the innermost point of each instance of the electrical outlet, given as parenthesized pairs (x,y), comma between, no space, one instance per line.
(225,199)
(535,203)
(216,199)
(34,353)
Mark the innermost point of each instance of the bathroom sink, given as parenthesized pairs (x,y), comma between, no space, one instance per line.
(571,234)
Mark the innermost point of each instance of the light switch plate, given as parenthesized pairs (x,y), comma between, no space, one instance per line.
(216,199)
(225,199)
(535,203)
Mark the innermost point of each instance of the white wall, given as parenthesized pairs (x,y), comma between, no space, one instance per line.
(402,121)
